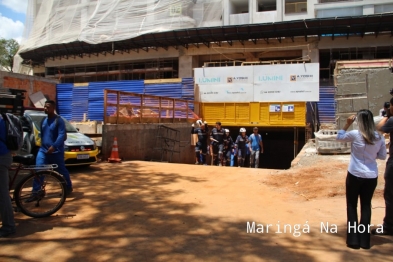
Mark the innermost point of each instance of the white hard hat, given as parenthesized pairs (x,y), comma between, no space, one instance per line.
(199,122)
(226,130)
(242,130)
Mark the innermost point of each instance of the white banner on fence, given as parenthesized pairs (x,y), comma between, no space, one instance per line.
(226,93)
(223,75)
(260,83)
(280,83)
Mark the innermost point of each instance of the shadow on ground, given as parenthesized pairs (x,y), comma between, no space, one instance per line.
(130,214)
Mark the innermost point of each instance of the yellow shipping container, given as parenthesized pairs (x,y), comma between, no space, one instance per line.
(272,114)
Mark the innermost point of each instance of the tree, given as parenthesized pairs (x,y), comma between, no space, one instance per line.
(8,49)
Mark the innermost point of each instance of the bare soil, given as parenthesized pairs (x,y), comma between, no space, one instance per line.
(148,211)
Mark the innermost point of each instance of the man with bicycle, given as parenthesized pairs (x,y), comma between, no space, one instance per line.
(53,134)
(6,211)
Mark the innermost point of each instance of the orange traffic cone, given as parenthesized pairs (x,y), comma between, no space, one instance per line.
(115,153)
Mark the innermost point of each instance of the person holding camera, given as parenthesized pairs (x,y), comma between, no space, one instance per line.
(386,126)
(382,112)
(367,145)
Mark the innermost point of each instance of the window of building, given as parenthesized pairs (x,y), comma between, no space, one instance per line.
(330,1)
(238,7)
(295,6)
(266,5)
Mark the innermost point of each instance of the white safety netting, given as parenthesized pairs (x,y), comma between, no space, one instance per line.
(96,21)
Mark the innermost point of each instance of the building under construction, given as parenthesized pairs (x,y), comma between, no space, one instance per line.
(84,44)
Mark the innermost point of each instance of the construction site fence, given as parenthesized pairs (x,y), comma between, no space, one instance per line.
(126,107)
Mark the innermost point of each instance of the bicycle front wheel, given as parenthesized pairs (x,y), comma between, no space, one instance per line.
(47,198)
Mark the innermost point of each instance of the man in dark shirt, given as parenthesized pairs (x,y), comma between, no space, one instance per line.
(228,148)
(6,211)
(201,145)
(386,126)
(217,138)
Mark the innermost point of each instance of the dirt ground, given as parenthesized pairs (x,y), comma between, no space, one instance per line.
(147,211)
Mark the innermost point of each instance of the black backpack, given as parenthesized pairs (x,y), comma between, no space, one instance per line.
(14,132)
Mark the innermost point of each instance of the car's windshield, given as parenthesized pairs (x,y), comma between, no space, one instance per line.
(37,119)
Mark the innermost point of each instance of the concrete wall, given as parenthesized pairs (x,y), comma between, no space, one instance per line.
(375,82)
(31,84)
(137,142)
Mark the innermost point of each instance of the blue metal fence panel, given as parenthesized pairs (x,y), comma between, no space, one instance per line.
(96,95)
(73,102)
(80,96)
(187,88)
(327,104)
(64,100)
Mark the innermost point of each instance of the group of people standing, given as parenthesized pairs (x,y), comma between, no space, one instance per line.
(367,145)
(223,148)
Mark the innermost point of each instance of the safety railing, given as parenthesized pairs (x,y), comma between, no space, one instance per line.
(126,107)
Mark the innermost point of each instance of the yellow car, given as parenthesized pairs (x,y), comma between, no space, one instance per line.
(78,148)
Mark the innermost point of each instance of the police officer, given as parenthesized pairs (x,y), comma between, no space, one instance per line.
(217,138)
(201,146)
(228,149)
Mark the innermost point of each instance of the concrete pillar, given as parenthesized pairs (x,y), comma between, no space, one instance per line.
(313,54)
(186,65)
(225,7)
(368,10)
(252,9)
(280,10)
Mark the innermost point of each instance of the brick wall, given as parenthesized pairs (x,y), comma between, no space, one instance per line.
(31,84)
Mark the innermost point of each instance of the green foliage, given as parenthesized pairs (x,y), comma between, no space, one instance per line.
(8,49)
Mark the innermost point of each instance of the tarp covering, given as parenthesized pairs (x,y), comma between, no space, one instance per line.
(98,21)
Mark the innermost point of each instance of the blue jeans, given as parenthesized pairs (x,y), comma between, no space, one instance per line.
(47,159)
(254,158)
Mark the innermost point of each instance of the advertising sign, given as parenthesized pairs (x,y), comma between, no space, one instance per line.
(259,83)
(226,93)
(280,83)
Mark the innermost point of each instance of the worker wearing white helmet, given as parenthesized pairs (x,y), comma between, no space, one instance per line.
(201,146)
(228,149)
(241,145)
(217,138)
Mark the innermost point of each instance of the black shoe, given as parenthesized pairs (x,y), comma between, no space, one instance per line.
(384,232)
(33,197)
(365,247)
(353,246)
(69,190)
(6,233)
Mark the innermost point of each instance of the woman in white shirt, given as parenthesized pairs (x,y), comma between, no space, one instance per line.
(362,177)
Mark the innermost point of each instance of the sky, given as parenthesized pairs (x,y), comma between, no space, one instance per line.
(12,18)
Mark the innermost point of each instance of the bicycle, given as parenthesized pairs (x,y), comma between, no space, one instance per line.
(50,188)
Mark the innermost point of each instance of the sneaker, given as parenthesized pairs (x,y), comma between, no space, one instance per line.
(33,197)
(6,233)
(69,190)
